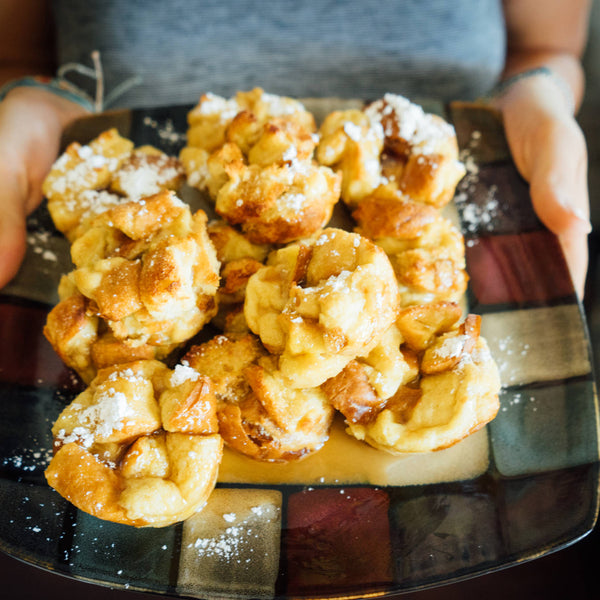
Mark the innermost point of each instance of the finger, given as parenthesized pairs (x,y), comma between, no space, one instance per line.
(558,178)
(575,249)
(12,232)
(31,122)
(559,193)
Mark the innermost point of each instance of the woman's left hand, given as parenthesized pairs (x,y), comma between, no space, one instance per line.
(549,149)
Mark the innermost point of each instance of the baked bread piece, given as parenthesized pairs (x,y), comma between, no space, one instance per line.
(259,414)
(90,179)
(147,171)
(84,341)
(211,117)
(257,165)
(72,186)
(230,244)
(252,128)
(450,390)
(139,446)
(239,259)
(209,171)
(393,143)
(360,390)
(146,279)
(333,321)
(73,332)
(352,144)
(319,303)
(279,204)
(426,250)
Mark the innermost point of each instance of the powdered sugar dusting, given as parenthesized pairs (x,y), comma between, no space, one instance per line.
(38,241)
(98,420)
(92,202)
(83,173)
(166,131)
(214,105)
(137,181)
(28,460)
(475,216)
(293,202)
(353,131)
(279,106)
(451,347)
(519,398)
(233,543)
(183,373)
(422,130)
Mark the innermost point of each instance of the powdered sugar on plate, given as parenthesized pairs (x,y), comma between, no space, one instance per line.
(165,130)
(475,216)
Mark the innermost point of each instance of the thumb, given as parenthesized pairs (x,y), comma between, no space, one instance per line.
(559,193)
(12,230)
(558,179)
(575,249)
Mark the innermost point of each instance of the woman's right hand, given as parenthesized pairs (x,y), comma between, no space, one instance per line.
(31,124)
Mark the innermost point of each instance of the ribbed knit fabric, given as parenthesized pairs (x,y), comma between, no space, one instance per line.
(445,49)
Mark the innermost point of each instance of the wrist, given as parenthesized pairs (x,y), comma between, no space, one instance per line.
(39,108)
(557,86)
(58,87)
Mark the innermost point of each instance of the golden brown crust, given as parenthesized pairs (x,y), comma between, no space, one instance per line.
(224,359)
(116,294)
(149,274)
(139,445)
(364,323)
(403,402)
(278,204)
(392,143)
(259,415)
(86,472)
(385,213)
(72,333)
(420,151)
(430,267)
(88,180)
(419,324)
(107,351)
(448,350)
(276,138)
(320,308)
(191,410)
(213,116)
(235,275)
(258,166)
(455,394)
(231,244)
(352,145)
(351,393)
(240,259)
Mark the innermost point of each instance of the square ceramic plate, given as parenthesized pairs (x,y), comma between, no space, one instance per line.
(535,492)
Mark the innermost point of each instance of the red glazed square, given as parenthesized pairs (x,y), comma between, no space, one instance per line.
(338,539)
(517,269)
(26,357)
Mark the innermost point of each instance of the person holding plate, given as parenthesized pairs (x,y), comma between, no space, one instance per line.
(114,53)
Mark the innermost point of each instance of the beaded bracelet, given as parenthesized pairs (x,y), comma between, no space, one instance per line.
(502,87)
(56,85)
(61,86)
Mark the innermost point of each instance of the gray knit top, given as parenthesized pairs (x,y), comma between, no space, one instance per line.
(177,49)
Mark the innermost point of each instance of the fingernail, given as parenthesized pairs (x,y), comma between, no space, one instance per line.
(582,219)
